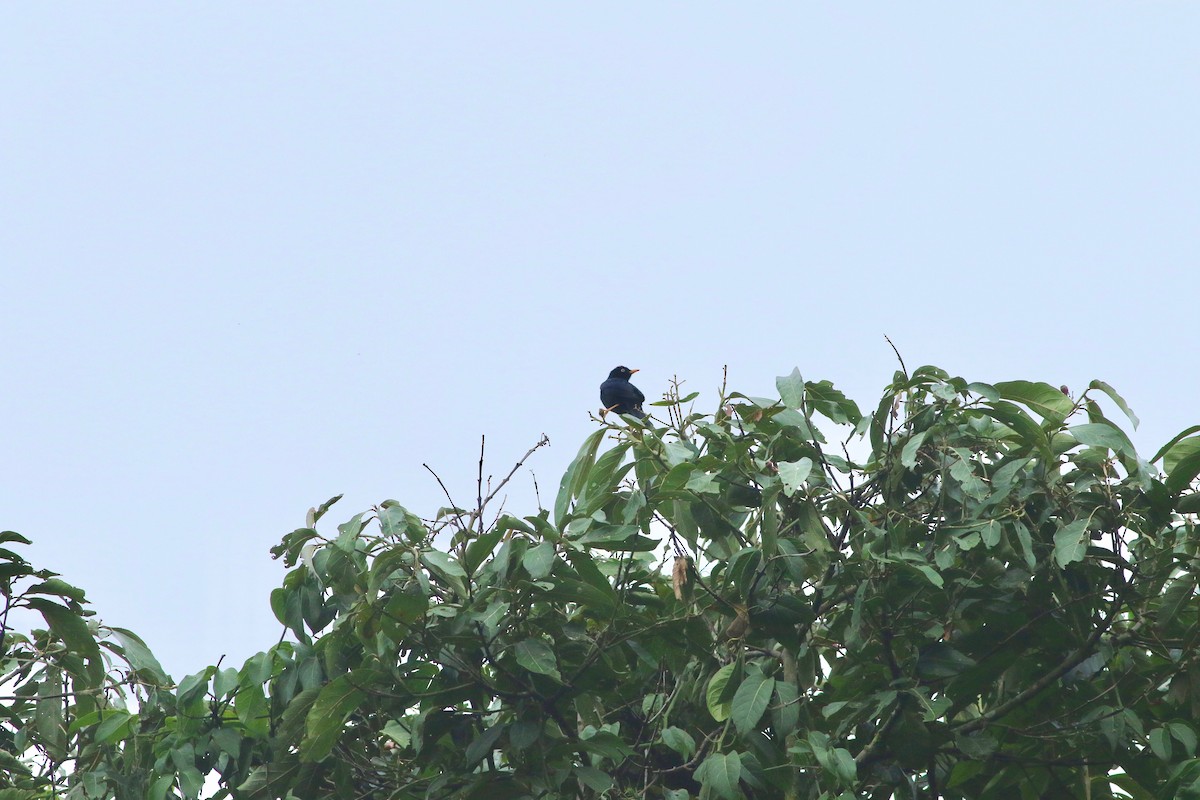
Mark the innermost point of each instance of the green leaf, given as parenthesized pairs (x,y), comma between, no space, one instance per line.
(702,483)
(785,713)
(984,390)
(823,398)
(320,510)
(116,726)
(538,560)
(716,687)
(193,685)
(720,774)
(1015,418)
(908,456)
(406,605)
(395,521)
(1026,541)
(337,701)
(575,476)
(1160,743)
(1184,735)
(962,470)
(438,560)
(791,388)
(1103,434)
(680,741)
(140,657)
(751,700)
(1182,464)
(292,723)
(67,626)
(602,480)
(58,587)
(844,766)
(536,656)
(157,791)
(13,536)
(604,743)
(793,474)
(523,733)
(1179,437)
(941,660)
(225,681)
(1046,400)
(483,745)
(931,575)
(1070,542)
(593,778)
(1116,398)
(991,532)
(677,453)
(480,548)
(586,567)
(978,746)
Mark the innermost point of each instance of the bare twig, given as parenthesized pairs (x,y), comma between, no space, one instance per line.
(453,506)
(479,487)
(536,494)
(903,368)
(542,442)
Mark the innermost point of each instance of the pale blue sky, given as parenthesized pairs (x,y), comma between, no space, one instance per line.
(256,254)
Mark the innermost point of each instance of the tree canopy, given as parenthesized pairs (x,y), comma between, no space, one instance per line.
(971,591)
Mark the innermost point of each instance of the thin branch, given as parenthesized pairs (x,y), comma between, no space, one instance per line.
(903,368)
(445,491)
(542,442)
(479,487)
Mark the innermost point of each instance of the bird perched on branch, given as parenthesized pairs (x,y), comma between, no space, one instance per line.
(619,395)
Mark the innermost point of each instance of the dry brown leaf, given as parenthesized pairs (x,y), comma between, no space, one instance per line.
(679,574)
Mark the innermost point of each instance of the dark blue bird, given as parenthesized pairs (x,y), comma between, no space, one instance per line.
(619,395)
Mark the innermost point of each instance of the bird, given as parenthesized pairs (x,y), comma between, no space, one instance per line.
(619,395)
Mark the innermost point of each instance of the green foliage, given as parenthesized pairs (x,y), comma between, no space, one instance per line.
(74,694)
(985,593)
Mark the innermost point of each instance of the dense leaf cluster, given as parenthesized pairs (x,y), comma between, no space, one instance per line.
(977,591)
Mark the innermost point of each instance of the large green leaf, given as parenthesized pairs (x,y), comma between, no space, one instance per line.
(575,476)
(140,657)
(791,388)
(825,399)
(751,700)
(1179,437)
(1043,398)
(68,626)
(1182,464)
(793,474)
(537,656)
(720,774)
(483,745)
(116,726)
(1116,398)
(717,706)
(602,479)
(785,711)
(538,560)
(1103,434)
(908,455)
(941,660)
(1070,542)
(332,707)
(679,740)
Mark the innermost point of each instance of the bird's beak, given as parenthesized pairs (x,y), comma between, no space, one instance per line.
(633,371)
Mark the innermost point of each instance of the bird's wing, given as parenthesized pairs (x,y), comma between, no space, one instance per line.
(641,398)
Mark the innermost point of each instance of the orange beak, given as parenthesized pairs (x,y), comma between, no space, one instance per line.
(633,371)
